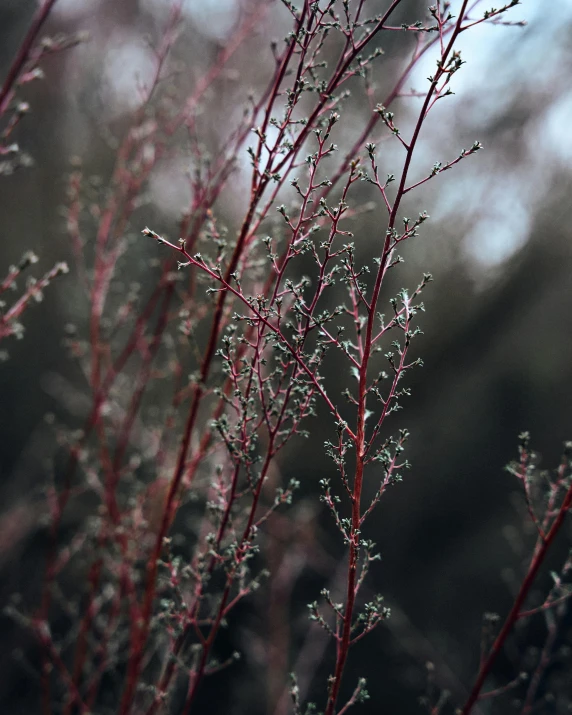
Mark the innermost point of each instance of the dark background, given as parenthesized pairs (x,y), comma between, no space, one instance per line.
(497,333)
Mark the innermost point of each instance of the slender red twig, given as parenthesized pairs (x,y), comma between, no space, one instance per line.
(40,17)
(537,561)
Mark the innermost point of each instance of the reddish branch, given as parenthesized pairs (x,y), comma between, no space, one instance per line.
(538,558)
(343,644)
(23,53)
(270,164)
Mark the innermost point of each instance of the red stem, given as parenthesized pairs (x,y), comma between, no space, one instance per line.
(345,640)
(515,612)
(22,55)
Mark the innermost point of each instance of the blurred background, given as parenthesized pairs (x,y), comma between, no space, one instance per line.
(497,341)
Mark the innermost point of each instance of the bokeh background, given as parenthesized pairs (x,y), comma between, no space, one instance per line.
(497,341)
